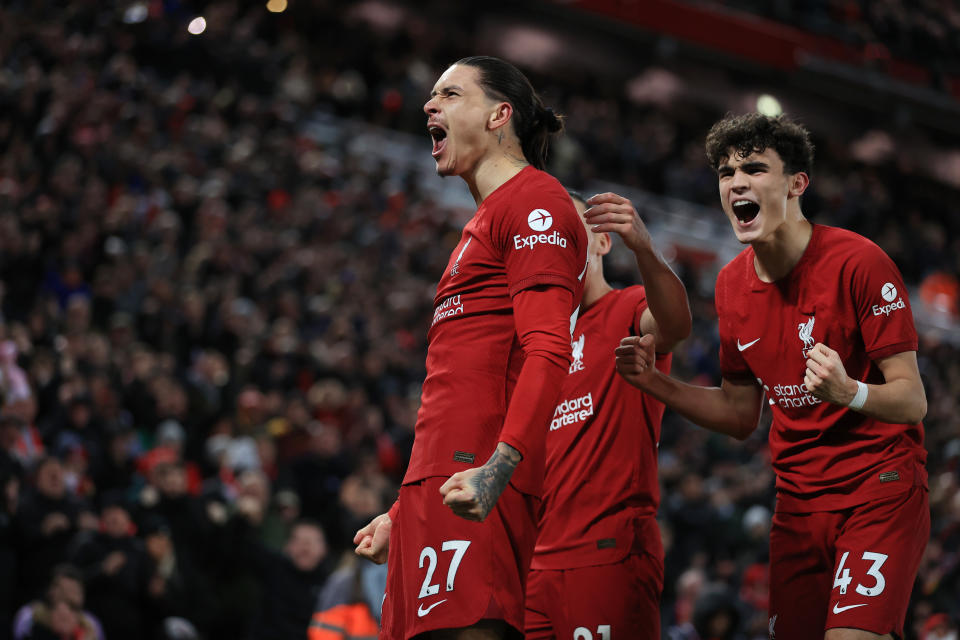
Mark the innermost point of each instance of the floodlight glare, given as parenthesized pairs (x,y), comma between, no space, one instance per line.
(197,26)
(769,106)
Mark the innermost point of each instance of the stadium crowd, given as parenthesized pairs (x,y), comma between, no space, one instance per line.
(213,323)
(925,32)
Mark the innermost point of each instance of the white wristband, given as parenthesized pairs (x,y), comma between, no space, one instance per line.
(859,397)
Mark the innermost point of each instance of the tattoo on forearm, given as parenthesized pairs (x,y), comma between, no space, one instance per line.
(493,477)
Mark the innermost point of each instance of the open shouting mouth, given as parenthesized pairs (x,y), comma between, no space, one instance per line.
(439,136)
(745,210)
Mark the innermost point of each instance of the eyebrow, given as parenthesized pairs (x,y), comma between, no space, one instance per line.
(447,89)
(746,166)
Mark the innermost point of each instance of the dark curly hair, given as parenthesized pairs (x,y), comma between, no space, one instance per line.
(755,133)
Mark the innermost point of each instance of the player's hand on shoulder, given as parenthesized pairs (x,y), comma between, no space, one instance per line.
(473,493)
(373,540)
(826,378)
(613,213)
(636,358)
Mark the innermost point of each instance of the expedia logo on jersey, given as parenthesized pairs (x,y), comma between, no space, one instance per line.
(531,241)
(889,293)
(572,411)
(539,220)
(450,307)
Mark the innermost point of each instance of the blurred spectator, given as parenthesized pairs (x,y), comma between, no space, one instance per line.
(289,581)
(716,616)
(114,565)
(9,499)
(175,590)
(355,583)
(118,466)
(317,473)
(939,626)
(60,614)
(349,605)
(47,519)
(755,598)
(190,519)
(353,595)
(10,463)
(689,587)
(272,517)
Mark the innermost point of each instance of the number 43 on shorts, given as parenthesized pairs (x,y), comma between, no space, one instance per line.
(843,579)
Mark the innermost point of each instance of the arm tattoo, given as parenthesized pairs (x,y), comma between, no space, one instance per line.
(493,477)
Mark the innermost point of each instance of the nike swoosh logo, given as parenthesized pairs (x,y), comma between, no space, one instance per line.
(743,347)
(838,609)
(422,612)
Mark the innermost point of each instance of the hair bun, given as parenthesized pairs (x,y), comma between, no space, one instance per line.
(553,122)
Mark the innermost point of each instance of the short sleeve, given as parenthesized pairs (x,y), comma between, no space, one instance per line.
(732,365)
(881,303)
(640,302)
(542,239)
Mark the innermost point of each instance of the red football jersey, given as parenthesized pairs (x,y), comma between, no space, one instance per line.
(526,233)
(846,293)
(602,447)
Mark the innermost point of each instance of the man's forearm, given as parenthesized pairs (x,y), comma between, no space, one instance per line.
(712,408)
(896,402)
(666,298)
(534,400)
(494,475)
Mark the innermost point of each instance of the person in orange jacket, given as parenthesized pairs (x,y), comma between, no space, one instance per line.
(344,622)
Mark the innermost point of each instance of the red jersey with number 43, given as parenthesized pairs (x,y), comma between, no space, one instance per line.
(601,475)
(525,234)
(846,293)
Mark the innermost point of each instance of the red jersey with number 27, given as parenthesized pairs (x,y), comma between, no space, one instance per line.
(601,491)
(846,293)
(525,234)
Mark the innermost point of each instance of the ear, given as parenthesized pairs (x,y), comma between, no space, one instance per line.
(605,243)
(500,115)
(798,184)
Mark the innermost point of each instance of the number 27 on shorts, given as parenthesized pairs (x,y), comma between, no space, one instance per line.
(429,555)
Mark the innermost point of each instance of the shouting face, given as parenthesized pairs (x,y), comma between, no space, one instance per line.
(459,117)
(755,192)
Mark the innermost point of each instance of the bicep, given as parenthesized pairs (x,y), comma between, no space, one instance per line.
(901,398)
(648,325)
(901,366)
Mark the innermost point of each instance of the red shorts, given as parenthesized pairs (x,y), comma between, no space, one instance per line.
(446,572)
(851,568)
(604,602)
